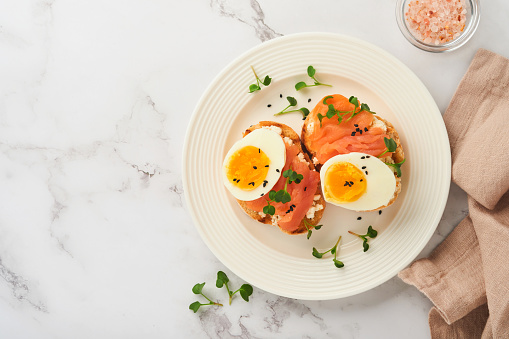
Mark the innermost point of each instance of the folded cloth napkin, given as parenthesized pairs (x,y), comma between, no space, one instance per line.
(467,276)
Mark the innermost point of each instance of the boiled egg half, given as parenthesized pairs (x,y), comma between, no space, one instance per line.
(357,181)
(253,165)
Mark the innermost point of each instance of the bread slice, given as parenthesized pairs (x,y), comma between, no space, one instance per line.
(286,132)
(395,157)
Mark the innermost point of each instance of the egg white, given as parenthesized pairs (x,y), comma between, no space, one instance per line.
(380,181)
(274,148)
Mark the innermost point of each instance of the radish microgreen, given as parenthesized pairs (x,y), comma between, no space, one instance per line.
(197,289)
(245,290)
(331,112)
(293,102)
(397,167)
(372,233)
(391,146)
(282,196)
(306,224)
(257,87)
(311,74)
(334,250)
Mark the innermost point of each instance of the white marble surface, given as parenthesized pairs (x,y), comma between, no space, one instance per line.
(95,97)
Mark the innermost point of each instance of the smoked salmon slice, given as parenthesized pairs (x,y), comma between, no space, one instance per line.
(351,135)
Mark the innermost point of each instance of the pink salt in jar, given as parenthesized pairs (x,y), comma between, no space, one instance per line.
(438,25)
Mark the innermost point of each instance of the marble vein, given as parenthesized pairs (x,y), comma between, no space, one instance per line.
(19,287)
(248,12)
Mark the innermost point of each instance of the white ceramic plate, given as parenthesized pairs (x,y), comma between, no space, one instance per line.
(282,264)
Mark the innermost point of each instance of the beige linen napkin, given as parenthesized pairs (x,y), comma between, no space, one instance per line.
(467,276)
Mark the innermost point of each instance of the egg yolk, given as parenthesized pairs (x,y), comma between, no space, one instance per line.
(344,182)
(248,168)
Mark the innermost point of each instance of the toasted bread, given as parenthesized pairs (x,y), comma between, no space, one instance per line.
(286,132)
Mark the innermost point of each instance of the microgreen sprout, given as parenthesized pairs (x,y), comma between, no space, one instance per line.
(309,227)
(293,102)
(282,196)
(334,250)
(397,167)
(257,87)
(372,233)
(391,146)
(245,290)
(311,74)
(331,112)
(197,289)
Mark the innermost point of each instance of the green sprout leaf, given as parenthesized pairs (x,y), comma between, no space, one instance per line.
(320,117)
(338,264)
(267,80)
(311,73)
(397,167)
(292,101)
(222,279)
(245,291)
(198,288)
(300,85)
(371,233)
(365,245)
(317,254)
(272,195)
(390,145)
(195,306)
(326,98)
(354,100)
(365,107)
(256,87)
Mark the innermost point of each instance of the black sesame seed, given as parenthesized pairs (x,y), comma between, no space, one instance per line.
(269,105)
(351,182)
(357,129)
(353,134)
(255,167)
(259,150)
(363,157)
(277,170)
(266,165)
(359,218)
(305,188)
(261,195)
(251,183)
(367,156)
(309,100)
(365,129)
(356,125)
(280,95)
(363,167)
(360,132)
(361,180)
(234,179)
(380,212)
(366,172)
